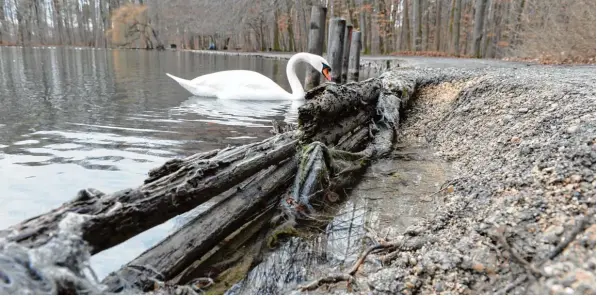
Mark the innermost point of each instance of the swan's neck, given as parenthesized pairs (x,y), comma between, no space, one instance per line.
(298,92)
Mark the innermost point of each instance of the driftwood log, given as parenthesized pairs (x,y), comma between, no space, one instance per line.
(340,130)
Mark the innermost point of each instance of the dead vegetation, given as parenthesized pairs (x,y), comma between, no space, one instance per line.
(131,27)
(556,32)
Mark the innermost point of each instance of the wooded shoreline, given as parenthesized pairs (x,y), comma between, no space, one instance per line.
(551,30)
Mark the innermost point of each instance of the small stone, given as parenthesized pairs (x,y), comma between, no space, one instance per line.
(572,129)
(576,178)
(412,261)
(553,232)
(478,267)
(582,275)
(439,287)
(549,271)
(515,140)
(556,289)
(523,110)
(450,189)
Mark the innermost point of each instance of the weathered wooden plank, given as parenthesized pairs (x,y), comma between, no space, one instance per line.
(335,44)
(346,49)
(315,46)
(354,61)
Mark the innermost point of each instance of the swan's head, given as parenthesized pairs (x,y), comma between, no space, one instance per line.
(321,65)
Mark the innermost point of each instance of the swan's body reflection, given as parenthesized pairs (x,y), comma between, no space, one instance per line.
(240,112)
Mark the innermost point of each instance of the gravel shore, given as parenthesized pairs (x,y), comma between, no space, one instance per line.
(519,215)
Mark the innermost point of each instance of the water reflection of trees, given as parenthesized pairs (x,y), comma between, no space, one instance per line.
(100,90)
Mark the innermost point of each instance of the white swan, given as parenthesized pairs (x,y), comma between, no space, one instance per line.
(250,85)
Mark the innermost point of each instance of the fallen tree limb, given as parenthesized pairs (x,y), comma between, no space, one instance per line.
(176,187)
(402,244)
(335,105)
(173,254)
(330,279)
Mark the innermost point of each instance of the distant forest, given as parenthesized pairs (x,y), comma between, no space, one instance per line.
(560,31)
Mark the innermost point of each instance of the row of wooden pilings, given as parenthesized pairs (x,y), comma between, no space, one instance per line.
(343,48)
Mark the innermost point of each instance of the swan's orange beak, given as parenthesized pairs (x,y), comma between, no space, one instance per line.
(326,73)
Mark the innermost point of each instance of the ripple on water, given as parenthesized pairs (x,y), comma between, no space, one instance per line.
(26,142)
(248,113)
(107,138)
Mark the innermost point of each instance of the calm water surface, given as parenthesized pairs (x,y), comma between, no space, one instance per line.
(78,118)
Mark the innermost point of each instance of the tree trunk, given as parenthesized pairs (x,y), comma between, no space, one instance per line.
(438,26)
(276,42)
(379,16)
(369,26)
(479,22)
(291,41)
(456,27)
(417,23)
(427,21)
(302,23)
(351,14)
(363,28)
(406,27)
(490,30)
(2,22)
(514,40)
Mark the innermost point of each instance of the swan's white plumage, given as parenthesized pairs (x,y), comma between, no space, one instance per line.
(233,84)
(250,85)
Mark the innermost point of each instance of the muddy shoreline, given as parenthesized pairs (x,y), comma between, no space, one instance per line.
(493,178)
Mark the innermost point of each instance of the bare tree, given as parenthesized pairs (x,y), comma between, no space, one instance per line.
(405,27)
(2,22)
(438,23)
(481,28)
(417,24)
(455,25)
(479,22)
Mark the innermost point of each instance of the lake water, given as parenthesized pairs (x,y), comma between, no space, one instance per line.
(78,118)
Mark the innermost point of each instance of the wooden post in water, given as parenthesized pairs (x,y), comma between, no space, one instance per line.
(354,61)
(335,44)
(346,51)
(315,46)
